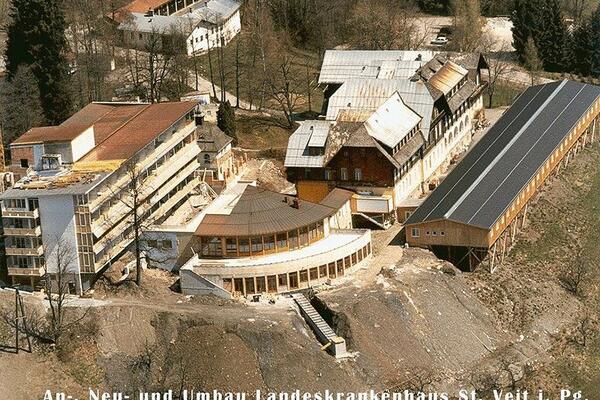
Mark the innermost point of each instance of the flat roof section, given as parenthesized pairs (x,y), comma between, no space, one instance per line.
(500,165)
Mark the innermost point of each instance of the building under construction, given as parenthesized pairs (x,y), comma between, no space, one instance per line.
(474,215)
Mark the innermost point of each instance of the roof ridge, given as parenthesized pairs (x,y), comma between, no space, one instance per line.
(506,148)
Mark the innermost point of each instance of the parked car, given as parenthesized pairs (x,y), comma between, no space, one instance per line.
(440,41)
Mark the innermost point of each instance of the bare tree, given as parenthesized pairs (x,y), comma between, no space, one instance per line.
(58,277)
(468,25)
(497,56)
(285,88)
(383,25)
(574,275)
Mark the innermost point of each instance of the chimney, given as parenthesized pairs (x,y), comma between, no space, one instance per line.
(199,118)
(296,204)
(150,13)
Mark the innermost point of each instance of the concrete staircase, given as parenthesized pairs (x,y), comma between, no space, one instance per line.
(326,335)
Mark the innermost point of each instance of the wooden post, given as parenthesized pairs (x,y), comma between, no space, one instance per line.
(493,257)
(524,215)
(17,320)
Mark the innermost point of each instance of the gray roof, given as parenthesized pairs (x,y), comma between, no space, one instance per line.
(486,182)
(159,23)
(340,65)
(370,94)
(211,138)
(297,150)
(215,11)
(392,121)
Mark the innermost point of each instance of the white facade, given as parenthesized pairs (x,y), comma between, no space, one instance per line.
(216,35)
(57,217)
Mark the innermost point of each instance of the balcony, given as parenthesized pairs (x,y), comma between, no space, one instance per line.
(37,231)
(20,213)
(25,251)
(33,271)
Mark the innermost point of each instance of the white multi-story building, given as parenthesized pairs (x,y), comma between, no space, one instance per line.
(72,207)
(203,24)
(392,120)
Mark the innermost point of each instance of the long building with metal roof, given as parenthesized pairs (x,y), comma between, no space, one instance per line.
(479,203)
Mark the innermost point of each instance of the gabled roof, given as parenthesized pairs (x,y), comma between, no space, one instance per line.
(297,154)
(392,121)
(447,77)
(211,138)
(105,117)
(369,94)
(341,65)
(139,130)
(493,173)
(258,211)
(162,24)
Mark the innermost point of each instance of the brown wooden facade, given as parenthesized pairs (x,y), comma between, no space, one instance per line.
(466,245)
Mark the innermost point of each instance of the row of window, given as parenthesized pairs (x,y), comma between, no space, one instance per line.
(329,174)
(416,232)
(231,247)
(295,280)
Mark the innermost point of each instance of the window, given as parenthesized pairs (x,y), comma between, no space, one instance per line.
(416,232)
(357,174)
(24,163)
(244,246)
(434,233)
(306,173)
(211,246)
(344,174)
(257,246)
(207,159)
(231,247)
(293,238)
(167,244)
(269,244)
(153,244)
(282,240)
(328,175)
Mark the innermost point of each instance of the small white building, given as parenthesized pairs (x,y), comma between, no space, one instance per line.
(202,24)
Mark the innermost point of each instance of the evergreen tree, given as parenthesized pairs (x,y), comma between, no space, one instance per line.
(594,43)
(532,61)
(36,38)
(226,120)
(525,18)
(551,36)
(578,49)
(20,104)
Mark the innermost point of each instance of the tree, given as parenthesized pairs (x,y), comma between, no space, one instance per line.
(284,86)
(532,61)
(525,18)
(468,24)
(58,271)
(20,105)
(36,38)
(226,120)
(574,276)
(499,65)
(381,25)
(551,37)
(594,43)
(579,49)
